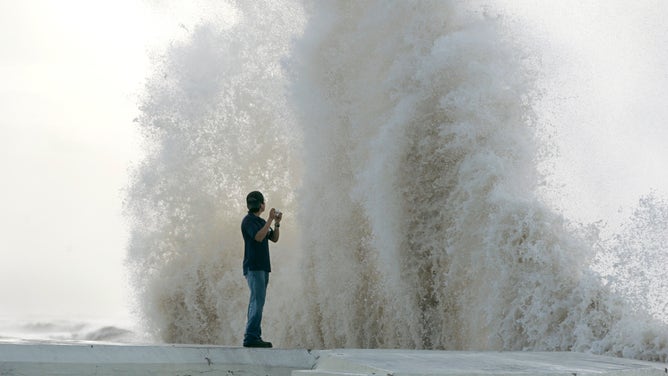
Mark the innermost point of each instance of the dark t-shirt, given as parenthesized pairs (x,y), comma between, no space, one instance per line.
(256,254)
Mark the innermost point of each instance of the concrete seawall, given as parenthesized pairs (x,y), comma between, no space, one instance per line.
(93,359)
(182,360)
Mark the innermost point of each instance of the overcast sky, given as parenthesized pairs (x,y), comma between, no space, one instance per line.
(69,72)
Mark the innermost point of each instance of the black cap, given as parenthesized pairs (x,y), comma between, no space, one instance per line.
(254,200)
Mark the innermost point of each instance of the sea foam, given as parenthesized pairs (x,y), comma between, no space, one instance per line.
(403,143)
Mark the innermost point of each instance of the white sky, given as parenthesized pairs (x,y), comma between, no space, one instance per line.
(607,66)
(70,75)
(69,72)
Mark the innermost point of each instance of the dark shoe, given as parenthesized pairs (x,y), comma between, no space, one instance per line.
(258,343)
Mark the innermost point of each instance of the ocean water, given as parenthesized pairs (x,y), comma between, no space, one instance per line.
(60,330)
(430,159)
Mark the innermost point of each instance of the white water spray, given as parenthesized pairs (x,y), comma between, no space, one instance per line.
(404,142)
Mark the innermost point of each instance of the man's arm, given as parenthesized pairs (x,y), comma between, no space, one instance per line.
(277,231)
(276,234)
(262,233)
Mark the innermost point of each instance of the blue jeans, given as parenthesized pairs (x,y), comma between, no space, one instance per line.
(258,280)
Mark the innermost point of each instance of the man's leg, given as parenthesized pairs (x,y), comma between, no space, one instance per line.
(257,283)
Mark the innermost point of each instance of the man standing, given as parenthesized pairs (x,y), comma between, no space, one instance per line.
(257,232)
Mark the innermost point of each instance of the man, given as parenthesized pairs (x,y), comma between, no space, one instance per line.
(257,232)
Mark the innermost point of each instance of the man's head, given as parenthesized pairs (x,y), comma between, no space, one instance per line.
(254,201)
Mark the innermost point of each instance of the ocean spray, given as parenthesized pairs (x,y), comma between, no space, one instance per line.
(402,142)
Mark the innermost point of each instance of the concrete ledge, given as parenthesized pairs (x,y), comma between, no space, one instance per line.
(182,360)
(461,363)
(93,359)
